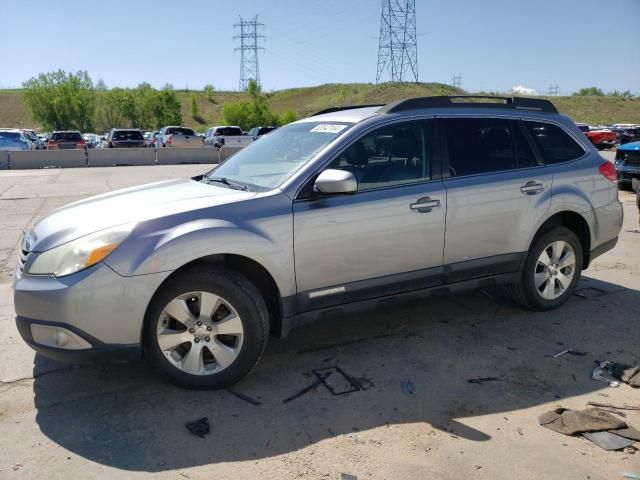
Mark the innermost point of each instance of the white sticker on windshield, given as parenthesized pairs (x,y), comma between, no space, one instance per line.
(328,128)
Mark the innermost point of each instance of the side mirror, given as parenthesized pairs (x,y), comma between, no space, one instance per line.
(336,182)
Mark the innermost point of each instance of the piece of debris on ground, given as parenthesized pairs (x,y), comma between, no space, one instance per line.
(200,427)
(594,424)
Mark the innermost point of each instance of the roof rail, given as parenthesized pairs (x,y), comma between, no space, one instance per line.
(339,109)
(516,103)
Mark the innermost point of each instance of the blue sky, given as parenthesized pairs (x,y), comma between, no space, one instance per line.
(494,44)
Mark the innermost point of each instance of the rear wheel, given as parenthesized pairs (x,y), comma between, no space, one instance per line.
(551,272)
(206,328)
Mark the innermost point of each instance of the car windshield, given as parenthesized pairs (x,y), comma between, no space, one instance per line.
(268,163)
(127,135)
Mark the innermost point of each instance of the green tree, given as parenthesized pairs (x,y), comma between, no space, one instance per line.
(61,100)
(288,117)
(195,109)
(208,92)
(251,111)
(589,92)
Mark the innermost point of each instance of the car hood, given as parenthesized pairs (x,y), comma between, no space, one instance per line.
(134,204)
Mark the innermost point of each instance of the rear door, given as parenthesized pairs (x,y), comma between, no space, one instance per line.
(497,189)
(386,238)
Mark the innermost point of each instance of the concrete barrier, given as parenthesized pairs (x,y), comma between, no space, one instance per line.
(4,160)
(108,157)
(226,152)
(177,156)
(47,158)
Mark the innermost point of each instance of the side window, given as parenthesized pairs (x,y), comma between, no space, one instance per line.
(554,143)
(479,145)
(525,157)
(393,155)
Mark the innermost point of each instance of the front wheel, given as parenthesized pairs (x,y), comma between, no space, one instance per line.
(551,271)
(206,328)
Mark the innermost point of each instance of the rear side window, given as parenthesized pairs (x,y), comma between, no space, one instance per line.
(554,143)
(479,145)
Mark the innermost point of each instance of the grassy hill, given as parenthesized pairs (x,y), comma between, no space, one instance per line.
(307,100)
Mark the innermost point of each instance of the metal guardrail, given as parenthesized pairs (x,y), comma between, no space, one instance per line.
(34,159)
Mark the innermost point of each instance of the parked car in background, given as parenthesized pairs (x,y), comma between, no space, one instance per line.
(44,138)
(340,211)
(256,132)
(33,138)
(601,138)
(125,138)
(225,135)
(66,140)
(627,135)
(91,139)
(150,139)
(173,136)
(12,139)
(627,164)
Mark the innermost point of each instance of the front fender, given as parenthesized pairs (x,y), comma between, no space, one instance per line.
(165,244)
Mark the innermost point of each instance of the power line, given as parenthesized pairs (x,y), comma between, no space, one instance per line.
(554,90)
(456,80)
(249,68)
(398,45)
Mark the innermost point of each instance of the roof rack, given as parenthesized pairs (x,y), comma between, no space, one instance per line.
(339,109)
(516,103)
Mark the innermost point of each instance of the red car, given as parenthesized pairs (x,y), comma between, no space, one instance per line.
(600,137)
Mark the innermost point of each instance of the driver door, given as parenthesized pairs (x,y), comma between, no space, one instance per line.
(378,241)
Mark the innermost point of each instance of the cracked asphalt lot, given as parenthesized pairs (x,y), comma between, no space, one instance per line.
(414,414)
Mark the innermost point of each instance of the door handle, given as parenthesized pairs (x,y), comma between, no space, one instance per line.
(532,188)
(424,204)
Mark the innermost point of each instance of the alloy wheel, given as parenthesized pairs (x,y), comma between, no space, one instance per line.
(200,333)
(554,270)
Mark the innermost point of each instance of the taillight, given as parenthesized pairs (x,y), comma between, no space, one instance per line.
(608,171)
(81,145)
(52,144)
(169,140)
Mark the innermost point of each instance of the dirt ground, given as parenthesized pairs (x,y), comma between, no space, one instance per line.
(415,415)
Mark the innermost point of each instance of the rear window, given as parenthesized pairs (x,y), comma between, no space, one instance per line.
(179,131)
(555,144)
(66,137)
(230,132)
(127,135)
(9,136)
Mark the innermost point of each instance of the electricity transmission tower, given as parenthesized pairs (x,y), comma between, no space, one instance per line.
(398,47)
(553,90)
(249,68)
(456,80)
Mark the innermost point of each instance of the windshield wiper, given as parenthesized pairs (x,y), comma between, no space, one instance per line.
(227,182)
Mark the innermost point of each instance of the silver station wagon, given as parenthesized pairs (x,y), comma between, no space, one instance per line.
(337,212)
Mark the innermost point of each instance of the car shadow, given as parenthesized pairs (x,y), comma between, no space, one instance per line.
(436,362)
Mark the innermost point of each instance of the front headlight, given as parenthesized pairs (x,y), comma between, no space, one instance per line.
(80,253)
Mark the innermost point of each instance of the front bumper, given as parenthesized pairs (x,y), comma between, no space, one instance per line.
(103,308)
(95,351)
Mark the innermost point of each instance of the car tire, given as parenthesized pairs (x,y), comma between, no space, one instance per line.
(241,302)
(558,281)
(624,186)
